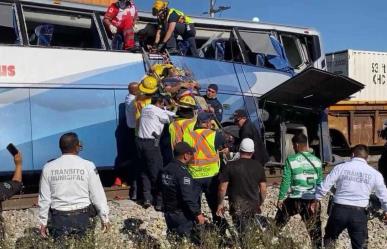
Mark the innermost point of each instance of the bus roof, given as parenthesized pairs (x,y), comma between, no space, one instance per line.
(202,21)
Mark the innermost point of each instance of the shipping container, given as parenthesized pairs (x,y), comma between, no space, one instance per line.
(360,118)
(369,68)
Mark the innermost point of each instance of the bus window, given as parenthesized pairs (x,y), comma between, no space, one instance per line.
(292,50)
(9,35)
(49,27)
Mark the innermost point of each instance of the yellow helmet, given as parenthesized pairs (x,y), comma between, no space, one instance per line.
(148,85)
(187,102)
(159,68)
(159,5)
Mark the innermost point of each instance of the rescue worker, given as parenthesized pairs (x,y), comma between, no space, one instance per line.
(130,114)
(152,121)
(69,187)
(248,130)
(147,88)
(181,208)
(120,20)
(213,103)
(185,120)
(245,182)
(10,188)
(204,167)
(302,174)
(125,161)
(355,180)
(172,23)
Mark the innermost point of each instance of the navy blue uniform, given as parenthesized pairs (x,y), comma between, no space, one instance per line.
(218,108)
(180,198)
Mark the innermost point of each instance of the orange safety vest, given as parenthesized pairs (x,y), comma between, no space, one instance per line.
(177,129)
(205,162)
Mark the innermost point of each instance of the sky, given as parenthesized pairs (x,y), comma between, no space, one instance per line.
(343,24)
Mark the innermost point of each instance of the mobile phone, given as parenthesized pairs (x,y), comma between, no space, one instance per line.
(12,149)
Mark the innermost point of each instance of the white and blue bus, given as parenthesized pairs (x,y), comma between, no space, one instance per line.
(77,82)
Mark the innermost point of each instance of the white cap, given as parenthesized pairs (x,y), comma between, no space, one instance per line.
(247,145)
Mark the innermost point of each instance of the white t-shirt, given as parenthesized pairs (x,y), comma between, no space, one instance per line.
(130,111)
(152,120)
(71,183)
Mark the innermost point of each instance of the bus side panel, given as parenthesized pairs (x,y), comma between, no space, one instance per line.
(90,113)
(15,127)
(87,69)
(257,80)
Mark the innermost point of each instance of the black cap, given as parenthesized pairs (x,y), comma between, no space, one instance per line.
(213,87)
(240,113)
(182,148)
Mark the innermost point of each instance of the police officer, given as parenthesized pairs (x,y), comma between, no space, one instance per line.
(354,181)
(185,120)
(9,188)
(212,101)
(180,196)
(69,185)
(173,23)
(204,167)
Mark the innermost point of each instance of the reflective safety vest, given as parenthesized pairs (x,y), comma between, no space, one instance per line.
(205,162)
(183,18)
(178,128)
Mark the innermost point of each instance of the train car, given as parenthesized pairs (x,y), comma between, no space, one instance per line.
(360,118)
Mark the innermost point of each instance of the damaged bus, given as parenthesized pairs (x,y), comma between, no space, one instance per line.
(58,73)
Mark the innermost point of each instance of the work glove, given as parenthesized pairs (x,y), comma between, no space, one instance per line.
(113,29)
(161,46)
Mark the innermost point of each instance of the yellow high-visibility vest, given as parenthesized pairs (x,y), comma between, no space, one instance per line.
(178,128)
(205,162)
(183,18)
(140,103)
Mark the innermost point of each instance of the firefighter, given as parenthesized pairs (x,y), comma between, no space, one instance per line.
(185,120)
(119,20)
(147,88)
(204,167)
(172,23)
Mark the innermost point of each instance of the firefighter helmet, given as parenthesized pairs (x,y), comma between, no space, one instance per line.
(187,102)
(148,85)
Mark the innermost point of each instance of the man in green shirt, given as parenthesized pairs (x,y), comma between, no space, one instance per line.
(302,173)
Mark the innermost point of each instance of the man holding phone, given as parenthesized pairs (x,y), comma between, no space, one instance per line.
(10,188)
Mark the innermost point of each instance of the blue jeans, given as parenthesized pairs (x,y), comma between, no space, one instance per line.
(352,218)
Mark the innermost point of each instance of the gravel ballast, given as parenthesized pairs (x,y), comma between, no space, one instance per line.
(134,227)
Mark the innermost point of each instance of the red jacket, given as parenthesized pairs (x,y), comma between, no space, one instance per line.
(122,18)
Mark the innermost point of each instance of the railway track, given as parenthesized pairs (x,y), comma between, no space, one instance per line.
(24,201)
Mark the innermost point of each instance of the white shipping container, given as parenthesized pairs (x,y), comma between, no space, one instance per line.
(367,67)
